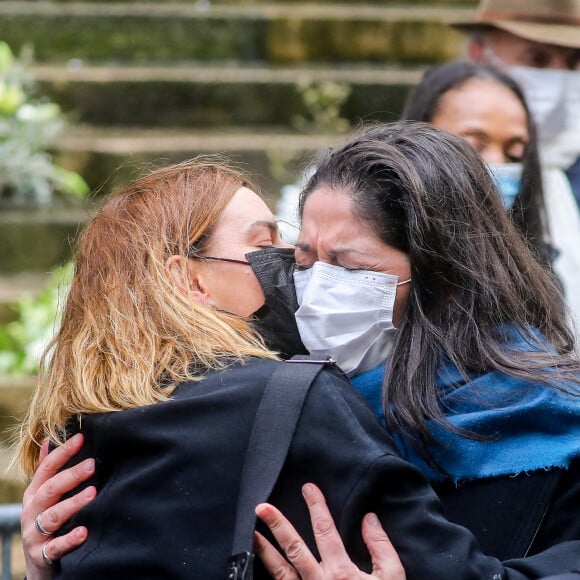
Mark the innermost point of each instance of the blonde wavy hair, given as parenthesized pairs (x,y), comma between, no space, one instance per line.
(127,337)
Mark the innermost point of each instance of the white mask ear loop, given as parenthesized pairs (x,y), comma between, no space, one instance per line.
(404,282)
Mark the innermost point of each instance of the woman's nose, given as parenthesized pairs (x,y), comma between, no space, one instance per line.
(494,155)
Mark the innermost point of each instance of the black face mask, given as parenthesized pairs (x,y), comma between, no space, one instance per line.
(275,320)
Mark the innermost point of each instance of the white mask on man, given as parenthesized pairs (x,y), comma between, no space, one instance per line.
(553,97)
(346,314)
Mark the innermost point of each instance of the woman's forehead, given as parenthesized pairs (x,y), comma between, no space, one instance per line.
(328,218)
(244,208)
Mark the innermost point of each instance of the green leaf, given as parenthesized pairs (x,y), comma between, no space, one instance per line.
(6,56)
(23,340)
(71,182)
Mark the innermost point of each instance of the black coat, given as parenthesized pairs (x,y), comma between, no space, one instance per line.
(512,516)
(168,477)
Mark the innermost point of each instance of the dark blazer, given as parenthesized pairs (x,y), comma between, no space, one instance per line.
(168,477)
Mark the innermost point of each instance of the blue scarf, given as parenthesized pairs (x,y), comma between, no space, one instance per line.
(529,425)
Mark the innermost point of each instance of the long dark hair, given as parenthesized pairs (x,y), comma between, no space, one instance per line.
(527,213)
(429,194)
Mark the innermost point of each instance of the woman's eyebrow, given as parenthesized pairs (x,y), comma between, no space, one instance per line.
(337,252)
(260,224)
(474,132)
(303,247)
(334,253)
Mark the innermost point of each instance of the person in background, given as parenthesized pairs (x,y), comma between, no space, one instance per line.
(485,106)
(538,43)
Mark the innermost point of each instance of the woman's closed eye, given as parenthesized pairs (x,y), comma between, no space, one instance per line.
(264,234)
(265,244)
(353,268)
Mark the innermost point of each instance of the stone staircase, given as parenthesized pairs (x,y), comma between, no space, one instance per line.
(150,80)
(146,82)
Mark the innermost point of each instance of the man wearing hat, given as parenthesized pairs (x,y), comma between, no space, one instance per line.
(538,42)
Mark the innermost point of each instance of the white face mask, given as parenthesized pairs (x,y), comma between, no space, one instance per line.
(553,97)
(346,314)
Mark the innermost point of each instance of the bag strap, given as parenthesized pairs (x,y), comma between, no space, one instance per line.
(270,439)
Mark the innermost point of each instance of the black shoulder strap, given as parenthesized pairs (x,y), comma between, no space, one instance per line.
(268,446)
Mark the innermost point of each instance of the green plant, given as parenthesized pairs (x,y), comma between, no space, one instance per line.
(23,340)
(28,127)
(323,101)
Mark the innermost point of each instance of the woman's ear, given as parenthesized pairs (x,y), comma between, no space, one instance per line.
(185,277)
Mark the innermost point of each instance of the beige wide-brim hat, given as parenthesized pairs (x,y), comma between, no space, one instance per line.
(546,21)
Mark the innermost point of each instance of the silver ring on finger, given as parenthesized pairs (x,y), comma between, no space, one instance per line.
(39,527)
(45,558)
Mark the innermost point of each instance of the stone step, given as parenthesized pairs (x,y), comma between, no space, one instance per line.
(16,286)
(108,158)
(205,4)
(274,33)
(198,95)
(37,241)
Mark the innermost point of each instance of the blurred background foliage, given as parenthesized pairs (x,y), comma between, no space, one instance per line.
(23,340)
(29,125)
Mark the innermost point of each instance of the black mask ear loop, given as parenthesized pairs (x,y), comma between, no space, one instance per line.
(275,320)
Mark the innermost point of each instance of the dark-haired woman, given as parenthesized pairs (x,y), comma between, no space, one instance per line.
(488,109)
(474,378)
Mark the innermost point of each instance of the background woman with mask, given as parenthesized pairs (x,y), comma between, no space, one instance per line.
(486,107)
(469,298)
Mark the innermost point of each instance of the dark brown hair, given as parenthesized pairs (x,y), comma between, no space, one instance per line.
(429,194)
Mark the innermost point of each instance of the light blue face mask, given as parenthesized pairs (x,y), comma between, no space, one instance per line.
(508,179)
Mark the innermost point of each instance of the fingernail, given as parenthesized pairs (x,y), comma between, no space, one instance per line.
(89,492)
(307,490)
(373,520)
(89,465)
(262,510)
